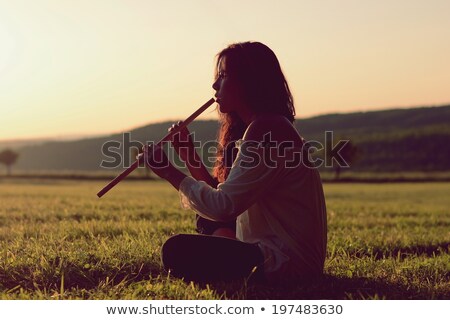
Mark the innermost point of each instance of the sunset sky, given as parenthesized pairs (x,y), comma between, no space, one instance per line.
(103,66)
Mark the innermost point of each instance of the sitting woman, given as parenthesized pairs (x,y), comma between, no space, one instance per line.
(274,197)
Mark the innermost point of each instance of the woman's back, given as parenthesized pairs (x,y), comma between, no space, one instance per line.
(288,219)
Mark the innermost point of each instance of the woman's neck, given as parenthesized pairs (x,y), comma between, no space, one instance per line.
(246,115)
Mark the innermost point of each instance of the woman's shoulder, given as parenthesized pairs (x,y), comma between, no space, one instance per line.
(269,119)
(276,127)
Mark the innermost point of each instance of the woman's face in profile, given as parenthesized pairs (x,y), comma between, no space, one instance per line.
(228,92)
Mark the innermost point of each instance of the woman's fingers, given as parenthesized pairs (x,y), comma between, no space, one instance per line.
(155,156)
(156,159)
(180,135)
(176,126)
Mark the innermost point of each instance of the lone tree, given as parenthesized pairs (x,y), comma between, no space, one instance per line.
(8,157)
(350,154)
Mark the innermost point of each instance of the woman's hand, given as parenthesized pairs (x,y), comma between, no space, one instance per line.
(156,159)
(184,146)
(182,141)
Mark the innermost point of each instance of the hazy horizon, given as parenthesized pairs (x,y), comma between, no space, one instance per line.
(74,136)
(93,68)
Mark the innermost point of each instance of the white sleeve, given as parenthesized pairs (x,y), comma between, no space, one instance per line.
(252,174)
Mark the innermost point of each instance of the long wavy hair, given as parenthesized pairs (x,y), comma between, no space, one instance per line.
(265,90)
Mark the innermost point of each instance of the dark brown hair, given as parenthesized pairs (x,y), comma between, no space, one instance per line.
(265,90)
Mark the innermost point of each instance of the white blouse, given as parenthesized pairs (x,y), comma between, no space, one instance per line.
(278,205)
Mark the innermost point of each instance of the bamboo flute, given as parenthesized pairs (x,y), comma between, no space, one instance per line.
(168,137)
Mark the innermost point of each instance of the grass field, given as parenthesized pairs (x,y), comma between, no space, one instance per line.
(58,241)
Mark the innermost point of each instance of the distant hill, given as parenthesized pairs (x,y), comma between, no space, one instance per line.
(20,143)
(401,139)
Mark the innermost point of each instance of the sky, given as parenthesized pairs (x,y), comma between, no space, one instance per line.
(92,67)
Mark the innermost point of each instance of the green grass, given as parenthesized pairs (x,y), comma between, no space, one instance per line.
(58,241)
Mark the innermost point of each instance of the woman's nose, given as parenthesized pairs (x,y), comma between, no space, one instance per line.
(215,85)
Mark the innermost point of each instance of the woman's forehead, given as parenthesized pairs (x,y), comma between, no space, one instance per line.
(221,66)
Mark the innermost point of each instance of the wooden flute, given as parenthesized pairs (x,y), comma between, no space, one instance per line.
(168,137)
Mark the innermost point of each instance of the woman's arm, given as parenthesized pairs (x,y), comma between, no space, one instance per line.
(258,169)
(198,170)
(156,159)
(185,148)
(252,175)
(224,203)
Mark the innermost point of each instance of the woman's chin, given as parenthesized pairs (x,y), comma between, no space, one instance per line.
(223,109)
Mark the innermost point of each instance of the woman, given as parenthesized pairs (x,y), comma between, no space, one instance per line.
(277,200)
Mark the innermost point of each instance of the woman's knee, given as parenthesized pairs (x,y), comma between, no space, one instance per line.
(170,251)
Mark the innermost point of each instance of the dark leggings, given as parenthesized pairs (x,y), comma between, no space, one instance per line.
(205,226)
(209,258)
